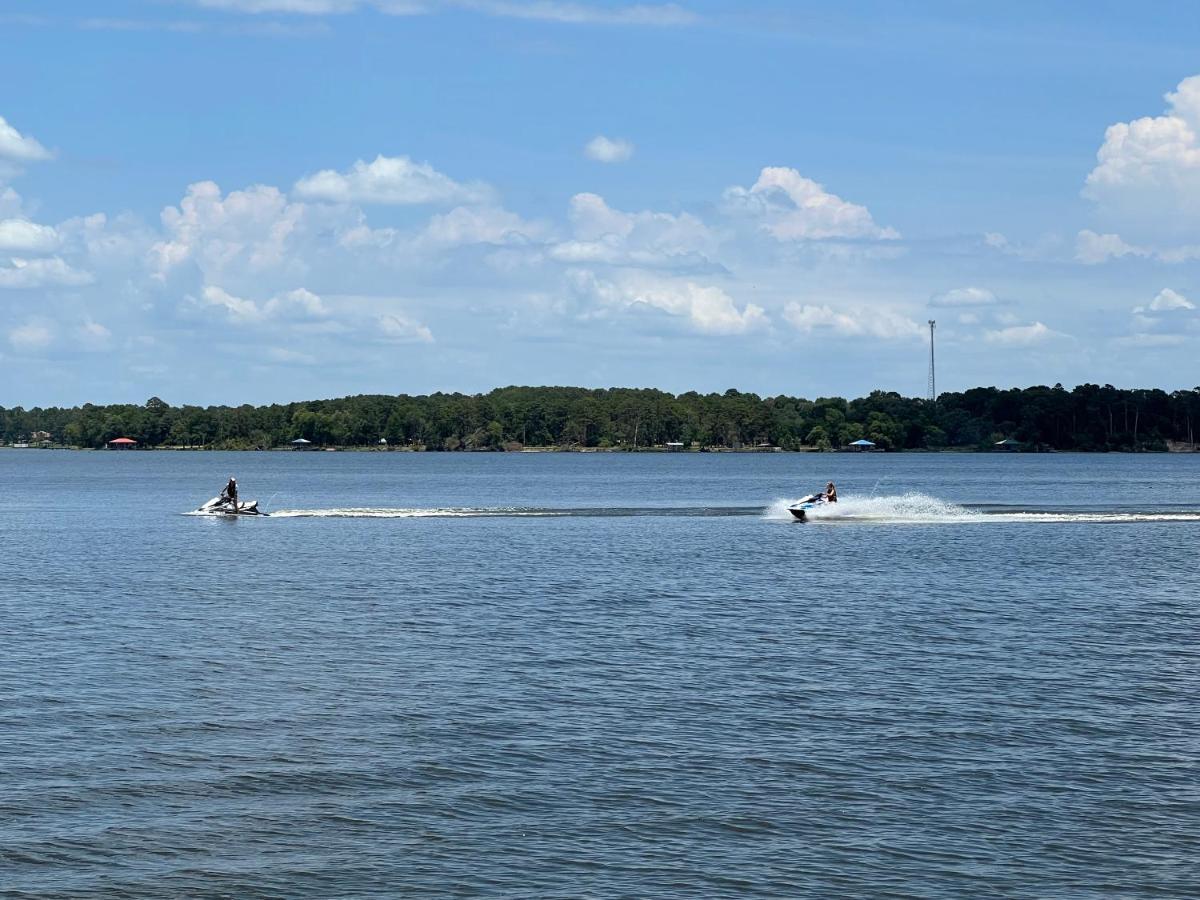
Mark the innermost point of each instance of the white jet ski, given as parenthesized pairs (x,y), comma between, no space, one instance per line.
(219,506)
(800,508)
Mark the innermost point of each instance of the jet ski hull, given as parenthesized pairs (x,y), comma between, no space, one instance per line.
(800,508)
(215,507)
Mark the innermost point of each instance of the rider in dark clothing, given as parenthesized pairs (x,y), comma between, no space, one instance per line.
(830,493)
(229,494)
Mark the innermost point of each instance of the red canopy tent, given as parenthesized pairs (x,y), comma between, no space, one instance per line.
(122,443)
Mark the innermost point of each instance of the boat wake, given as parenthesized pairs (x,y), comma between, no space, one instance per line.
(899,509)
(518,512)
(922,509)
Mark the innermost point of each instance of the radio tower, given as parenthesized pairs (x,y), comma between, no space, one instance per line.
(932,369)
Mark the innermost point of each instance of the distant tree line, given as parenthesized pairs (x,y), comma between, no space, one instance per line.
(1089,417)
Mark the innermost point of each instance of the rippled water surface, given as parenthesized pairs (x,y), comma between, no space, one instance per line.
(532,675)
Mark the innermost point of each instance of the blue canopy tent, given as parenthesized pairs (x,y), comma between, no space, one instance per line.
(862,444)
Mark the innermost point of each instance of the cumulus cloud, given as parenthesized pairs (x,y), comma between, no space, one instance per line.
(295,305)
(964,296)
(119,244)
(603,234)
(1168,299)
(791,207)
(40,273)
(707,308)
(401,328)
(23,236)
(18,147)
(1148,170)
(239,310)
(1021,335)
(608,150)
(248,231)
(300,312)
(391,180)
(860,321)
(480,225)
(1092,248)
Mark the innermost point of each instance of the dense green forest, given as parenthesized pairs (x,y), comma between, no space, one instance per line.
(1090,417)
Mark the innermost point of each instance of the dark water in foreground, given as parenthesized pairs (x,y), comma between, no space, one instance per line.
(599,676)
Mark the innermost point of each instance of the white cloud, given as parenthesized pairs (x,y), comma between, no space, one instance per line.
(1168,299)
(393,180)
(246,231)
(707,308)
(860,321)
(964,296)
(480,225)
(1021,335)
(650,239)
(33,335)
(19,147)
(399,327)
(304,315)
(238,309)
(1092,248)
(293,305)
(1148,170)
(608,150)
(23,236)
(794,208)
(119,244)
(38,273)
(594,219)
(297,304)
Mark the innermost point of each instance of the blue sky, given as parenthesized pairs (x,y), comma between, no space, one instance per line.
(264,200)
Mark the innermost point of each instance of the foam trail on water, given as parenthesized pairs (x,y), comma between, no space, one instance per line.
(917,508)
(392,513)
(449,512)
(911,507)
(778,509)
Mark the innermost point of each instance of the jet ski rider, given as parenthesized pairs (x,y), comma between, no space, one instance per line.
(229,493)
(830,493)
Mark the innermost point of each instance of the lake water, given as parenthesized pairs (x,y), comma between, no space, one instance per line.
(522,675)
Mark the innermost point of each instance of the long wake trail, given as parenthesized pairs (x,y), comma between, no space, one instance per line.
(455,512)
(922,509)
(898,509)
